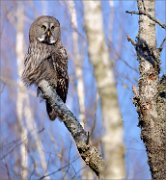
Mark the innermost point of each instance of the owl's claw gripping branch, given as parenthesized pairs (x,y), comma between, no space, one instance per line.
(89,154)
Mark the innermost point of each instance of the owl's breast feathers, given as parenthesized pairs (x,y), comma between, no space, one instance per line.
(49,63)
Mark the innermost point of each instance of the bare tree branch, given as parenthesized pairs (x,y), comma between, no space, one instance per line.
(162,44)
(149,16)
(88,153)
(19,143)
(59,169)
(131,40)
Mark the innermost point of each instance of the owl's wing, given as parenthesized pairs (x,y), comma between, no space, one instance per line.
(60,64)
(33,68)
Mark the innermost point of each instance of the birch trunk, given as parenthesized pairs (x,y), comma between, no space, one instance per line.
(23,104)
(20,96)
(103,71)
(78,61)
(150,99)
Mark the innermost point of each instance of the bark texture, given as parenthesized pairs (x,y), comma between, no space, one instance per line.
(88,153)
(103,71)
(150,99)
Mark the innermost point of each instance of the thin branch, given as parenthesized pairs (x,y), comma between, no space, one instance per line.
(162,44)
(88,153)
(149,16)
(59,169)
(131,40)
(8,171)
(19,143)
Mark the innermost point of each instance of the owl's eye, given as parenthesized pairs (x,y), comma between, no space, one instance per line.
(52,27)
(43,27)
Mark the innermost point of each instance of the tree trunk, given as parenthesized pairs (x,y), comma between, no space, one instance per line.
(150,99)
(23,104)
(20,96)
(78,61)
(103,71)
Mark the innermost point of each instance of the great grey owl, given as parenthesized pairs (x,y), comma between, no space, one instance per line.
(46,58)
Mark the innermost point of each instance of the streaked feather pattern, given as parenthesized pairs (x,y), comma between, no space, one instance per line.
(48,62)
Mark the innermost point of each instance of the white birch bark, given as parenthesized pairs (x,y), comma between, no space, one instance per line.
(23,104)
(78,61)
(103,71)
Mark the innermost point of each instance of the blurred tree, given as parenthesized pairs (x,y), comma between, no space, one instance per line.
(112,140)
(78,62)
(20,95)
(25,115)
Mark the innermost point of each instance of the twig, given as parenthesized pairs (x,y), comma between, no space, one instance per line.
(59,169)
(131,40)
(149,16)
(88,153)
(19,143)
(162,44)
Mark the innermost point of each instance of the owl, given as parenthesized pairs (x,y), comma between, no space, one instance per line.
(46,59)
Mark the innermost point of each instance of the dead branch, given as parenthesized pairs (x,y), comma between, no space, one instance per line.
(89,154)
(149,16)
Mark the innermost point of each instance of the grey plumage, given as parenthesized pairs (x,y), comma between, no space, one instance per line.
(46,58)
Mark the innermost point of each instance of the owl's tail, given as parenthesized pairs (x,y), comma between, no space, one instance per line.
(51,113)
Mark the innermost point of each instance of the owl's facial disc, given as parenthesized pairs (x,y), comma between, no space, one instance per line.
(47,38)
(46,33)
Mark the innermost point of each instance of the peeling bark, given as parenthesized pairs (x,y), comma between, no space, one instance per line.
(88,153)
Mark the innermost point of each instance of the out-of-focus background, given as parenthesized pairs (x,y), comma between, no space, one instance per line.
(30,144)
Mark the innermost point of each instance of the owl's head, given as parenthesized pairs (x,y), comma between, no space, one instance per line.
(45,29)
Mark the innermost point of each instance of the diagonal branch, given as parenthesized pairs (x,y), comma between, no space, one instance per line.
(88,153)
(131,40)
(149,16)
(162,44)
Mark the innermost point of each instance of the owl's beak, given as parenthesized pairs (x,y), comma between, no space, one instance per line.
(48,33)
